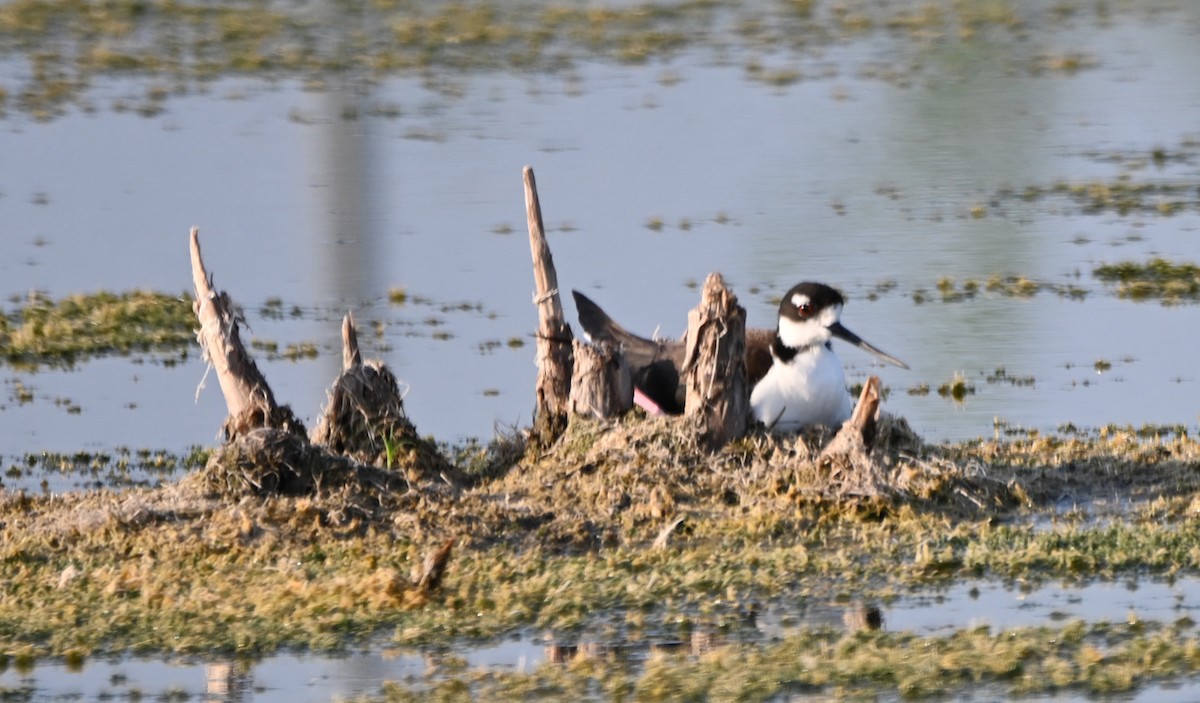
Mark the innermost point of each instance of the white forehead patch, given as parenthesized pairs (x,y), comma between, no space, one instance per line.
(830,315)
(799,300)
(813,331)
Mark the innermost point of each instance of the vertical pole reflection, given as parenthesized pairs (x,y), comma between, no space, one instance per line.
(346,238)
(228,682)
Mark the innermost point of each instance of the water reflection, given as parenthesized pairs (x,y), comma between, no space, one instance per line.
(291,677)
(858,616)
(228,682)
(863,617)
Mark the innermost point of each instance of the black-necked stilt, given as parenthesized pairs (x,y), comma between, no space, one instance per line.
(797,379)
(806,384)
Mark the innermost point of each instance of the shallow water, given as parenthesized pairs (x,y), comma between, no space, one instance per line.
(842,178)
(302,677)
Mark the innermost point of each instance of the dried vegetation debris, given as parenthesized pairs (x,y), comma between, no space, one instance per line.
(268,463)
(364,450)
(623,481)
(74,515)
(364,420)
(636,473)
(171,569)
(603,482)
(630,513)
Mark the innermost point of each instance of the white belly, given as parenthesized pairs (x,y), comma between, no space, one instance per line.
(809,390)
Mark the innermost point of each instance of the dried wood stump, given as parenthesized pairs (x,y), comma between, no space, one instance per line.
(365,418)
(554,349)
(433,568)
(601,385)
(852,469)
(248,398)
(714,365)
(267,452)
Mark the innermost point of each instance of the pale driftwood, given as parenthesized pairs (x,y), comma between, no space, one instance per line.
(554,338)
(248,398)
(857,433)
(852,469)
(350,354)
(219,340)
(714,365)
(664,535)
(601,384)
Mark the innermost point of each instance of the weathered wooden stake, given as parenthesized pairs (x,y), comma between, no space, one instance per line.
(714,365)
(848,455)
(554,352)
(247,396)
(350,354)
(601,385)
(858,433)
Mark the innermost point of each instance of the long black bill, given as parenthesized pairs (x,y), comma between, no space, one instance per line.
(840,332)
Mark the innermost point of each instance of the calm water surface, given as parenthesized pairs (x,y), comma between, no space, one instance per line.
(845,179)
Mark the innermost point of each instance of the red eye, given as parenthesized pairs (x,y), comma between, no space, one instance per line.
(805,310)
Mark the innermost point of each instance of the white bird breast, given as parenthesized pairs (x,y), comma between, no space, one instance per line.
(808,390)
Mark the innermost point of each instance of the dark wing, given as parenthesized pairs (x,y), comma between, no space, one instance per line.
(758,354)
(654,364)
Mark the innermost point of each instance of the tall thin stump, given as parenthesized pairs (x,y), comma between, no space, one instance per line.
(248,398)
(554,338)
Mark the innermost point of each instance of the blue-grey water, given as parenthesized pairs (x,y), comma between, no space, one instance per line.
(843,178)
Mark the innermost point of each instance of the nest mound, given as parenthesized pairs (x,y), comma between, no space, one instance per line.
(606,482)
(270,462)
(267,461)
(365,421)
(644,470)
(262,412)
